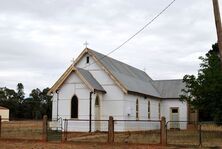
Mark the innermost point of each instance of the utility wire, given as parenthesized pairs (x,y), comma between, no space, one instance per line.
(139,31)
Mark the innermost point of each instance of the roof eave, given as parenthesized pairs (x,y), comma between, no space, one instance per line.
(101,91)
(142,94)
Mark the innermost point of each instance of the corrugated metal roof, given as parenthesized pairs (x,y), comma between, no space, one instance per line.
(133,79)
(169,88)
(90,79)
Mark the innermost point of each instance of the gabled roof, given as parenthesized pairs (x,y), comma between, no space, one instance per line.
(91,80)
(169,88)
(133,79)
(84,75)
(128,78)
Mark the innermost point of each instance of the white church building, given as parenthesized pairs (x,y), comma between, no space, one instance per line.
(114,89)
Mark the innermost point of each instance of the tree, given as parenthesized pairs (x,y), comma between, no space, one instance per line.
(20,91)
(204,92)
(33,107)
(9,99)
(41,103)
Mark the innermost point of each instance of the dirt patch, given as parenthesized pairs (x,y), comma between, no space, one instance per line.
(54,145)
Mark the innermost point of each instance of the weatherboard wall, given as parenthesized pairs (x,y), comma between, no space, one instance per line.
(167,104)
(112,102)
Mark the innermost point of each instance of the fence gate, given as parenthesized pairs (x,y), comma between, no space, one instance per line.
(54,130)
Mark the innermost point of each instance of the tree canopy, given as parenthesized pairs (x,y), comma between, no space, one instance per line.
(33,107)
(204,92)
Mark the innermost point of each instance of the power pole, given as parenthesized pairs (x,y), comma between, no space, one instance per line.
(218,26)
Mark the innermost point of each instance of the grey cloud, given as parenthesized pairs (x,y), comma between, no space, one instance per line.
(38,38)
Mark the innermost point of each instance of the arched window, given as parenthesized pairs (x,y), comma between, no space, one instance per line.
(159,110)
(97,102)
(74,107)
(149,109)
(137,109)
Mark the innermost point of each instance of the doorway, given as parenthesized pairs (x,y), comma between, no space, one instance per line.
(97,113)
(174,118)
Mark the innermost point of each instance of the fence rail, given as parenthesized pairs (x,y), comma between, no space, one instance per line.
(124,131)
(182,133)
(185,133)
(81,131)
(210,134)
(24,129)
(207,134)
(137,131)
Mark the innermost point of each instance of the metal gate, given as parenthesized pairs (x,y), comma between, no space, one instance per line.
(54,130)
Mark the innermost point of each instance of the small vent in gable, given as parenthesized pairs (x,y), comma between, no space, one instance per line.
(87,59)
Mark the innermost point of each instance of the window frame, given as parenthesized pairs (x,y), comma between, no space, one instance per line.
(148,110)
(71,111)
(137,109)
(87,59)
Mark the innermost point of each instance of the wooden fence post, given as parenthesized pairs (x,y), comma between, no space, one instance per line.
(44,128)
(163,136)
(111,130)
(0,126)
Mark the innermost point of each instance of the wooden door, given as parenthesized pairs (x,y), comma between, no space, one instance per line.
(174,118)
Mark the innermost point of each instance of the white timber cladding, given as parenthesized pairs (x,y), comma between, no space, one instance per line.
(130,107)
(166,106)
(73,85)
(114,97)
(114,103)
(130,113)
(54,110)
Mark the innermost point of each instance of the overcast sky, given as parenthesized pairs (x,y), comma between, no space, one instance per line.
(39,38)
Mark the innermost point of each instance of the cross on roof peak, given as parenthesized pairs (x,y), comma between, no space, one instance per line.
(73,60)
(86,44)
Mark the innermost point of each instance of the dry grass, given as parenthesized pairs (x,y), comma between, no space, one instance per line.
(183,137)
(22,130)
(143,137)
(211,135)
(52,145)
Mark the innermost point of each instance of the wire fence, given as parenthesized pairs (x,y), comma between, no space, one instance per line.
(206,134)
(211,134)
(55,129)
(21,129)
(182,133)
(137,131)
(80,130)
(125,131)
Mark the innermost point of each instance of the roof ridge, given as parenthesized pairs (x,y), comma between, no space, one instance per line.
(117,60)
(138,80)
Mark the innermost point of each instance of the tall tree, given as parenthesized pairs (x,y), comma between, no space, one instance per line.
(20,91)
(204,92)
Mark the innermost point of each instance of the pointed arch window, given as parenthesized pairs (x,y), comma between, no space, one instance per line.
(74,107)
(148,109)
(137,109)
(159,110)
(97,102)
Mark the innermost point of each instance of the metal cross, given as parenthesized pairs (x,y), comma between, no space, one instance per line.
(73,60)
(86,44)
